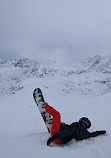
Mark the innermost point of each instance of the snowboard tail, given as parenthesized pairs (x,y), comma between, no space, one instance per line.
(40,102)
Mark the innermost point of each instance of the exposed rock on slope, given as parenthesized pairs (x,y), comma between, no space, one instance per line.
(93,76)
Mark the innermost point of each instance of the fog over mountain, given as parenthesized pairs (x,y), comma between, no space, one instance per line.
(52,30)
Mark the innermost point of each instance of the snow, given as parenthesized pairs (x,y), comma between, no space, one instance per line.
(73,89)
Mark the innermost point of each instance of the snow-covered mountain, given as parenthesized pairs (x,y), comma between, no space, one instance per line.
(89,77)
(74,89)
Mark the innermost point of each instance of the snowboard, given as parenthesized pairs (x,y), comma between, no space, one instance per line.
(40,102)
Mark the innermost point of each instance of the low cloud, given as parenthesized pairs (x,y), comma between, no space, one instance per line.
(55,30)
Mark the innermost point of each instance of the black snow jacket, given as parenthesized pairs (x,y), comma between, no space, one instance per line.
(76,130)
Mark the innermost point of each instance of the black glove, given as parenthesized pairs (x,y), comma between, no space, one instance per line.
(51,139)
(102,132)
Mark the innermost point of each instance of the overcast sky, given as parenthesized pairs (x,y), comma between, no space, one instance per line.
(68,30)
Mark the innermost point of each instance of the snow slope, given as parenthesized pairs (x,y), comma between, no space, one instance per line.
(74,89)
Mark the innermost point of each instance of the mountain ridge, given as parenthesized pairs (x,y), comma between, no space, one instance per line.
(84,77)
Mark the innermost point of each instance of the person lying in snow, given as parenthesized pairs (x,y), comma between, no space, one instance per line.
(62,133)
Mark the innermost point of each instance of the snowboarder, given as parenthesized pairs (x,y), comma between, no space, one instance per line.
(62,133)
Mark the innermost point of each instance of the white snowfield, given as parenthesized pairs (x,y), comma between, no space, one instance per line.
(74,89)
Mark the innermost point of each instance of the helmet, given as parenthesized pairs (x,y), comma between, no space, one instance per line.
(86,121)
